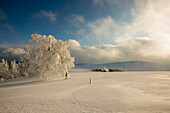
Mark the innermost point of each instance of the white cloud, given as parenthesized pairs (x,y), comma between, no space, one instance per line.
(100,31)
(150,17)
(98,2)
(13,51)
(93,54)
(76,20)
(134,49)
(108,2)
(52,16)
(145,38)
(103,27)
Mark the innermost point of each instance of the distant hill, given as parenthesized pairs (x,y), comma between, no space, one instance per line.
(129,66)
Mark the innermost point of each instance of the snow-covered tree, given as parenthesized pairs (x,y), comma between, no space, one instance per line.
(9,72)
(48,59)
(14,68)
(4,70)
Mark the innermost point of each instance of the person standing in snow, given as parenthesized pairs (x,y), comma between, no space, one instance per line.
(66,76)
(90,81)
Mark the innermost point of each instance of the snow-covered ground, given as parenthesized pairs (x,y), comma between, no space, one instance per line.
(114,92)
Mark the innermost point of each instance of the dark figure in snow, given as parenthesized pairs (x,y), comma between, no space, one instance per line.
(90,81)
(66,76)
(49,49)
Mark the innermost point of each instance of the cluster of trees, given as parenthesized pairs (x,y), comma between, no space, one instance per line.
(48,58)
(9,71)
(108,70)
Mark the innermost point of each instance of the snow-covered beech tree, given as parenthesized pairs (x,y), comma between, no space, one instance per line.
(47,59)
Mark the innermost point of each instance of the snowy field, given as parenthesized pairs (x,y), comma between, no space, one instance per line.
(114,92)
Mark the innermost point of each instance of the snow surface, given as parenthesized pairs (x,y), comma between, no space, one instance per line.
(109,92)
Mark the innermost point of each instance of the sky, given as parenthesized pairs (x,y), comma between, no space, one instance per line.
(64,19)
(99,31)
